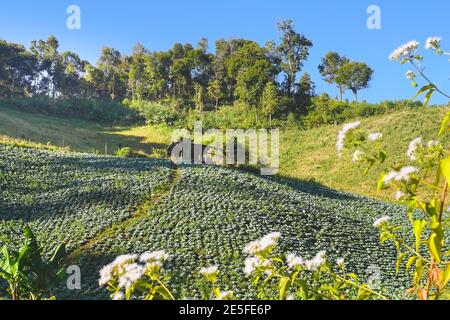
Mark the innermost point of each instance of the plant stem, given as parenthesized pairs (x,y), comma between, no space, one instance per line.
(359,286)
(427,79)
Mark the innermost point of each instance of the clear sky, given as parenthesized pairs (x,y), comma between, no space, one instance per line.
(331,25)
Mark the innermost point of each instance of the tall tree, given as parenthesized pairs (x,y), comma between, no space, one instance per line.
(329,69)
(293,51)
(270,100)
(215,92)
(356,76)
(109,62)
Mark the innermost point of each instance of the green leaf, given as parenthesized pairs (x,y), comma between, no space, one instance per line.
(363,293)
(380,184)
(428,97)
(425,89)
(444,124)
(400,258)
(410,262)
(283,286)
(435,245)
(418,227)
(446,275)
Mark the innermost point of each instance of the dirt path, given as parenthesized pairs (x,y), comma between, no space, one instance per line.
(141,212)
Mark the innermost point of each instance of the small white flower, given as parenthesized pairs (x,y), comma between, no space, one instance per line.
(160,256)
(315,263)
(262,244)
(411,153)
(381,221)
(433,43)
(225,295)
(132,273)
(399,195)
(410,75)
(251,264)
(390,176)
(118,296)
(341,135)
(433,144)
(405,50)
(209,271)
(405,173)
(290,297)
(294,261)
(340,262)
(375,136)
(358,155)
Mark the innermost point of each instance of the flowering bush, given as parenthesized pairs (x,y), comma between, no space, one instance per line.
(276,277)
(131,276)
(428,168)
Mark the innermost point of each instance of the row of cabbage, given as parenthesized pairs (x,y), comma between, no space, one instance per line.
(69,196)
(213,212)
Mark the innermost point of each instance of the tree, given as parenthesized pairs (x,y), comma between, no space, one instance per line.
(199,97)
(293,50)
(215,92)
(270,100)
(355,76)
(109,63)
(330,67)
(305,91)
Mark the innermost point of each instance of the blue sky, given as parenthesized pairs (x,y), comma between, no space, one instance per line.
(331,25)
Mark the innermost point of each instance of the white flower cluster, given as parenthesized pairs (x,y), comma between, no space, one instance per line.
(127,269)
(209,271)
(375,136)
(261,245)
(410,75)
(257,247)
(413,146)
(404,174)
(225,295)
(404,51)
(433,43)
(311,265)
(341,136)
(358,155)
(381,221)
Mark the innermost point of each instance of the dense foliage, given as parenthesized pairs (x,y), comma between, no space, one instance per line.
(164,86)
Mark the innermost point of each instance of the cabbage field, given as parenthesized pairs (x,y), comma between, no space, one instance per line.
(204,216)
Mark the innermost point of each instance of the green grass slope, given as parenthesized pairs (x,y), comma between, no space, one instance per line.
(19,127)
(106,206)
(311,155)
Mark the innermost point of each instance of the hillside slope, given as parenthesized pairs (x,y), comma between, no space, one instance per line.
(311,155)
(307,155)
(106,206)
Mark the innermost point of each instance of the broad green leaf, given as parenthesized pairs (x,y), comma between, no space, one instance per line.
(444,124)
(446,275)
(418,227)
(425,89)
(435,245)
(283,286)
(363,293)
(400,258)
(428,97)
(410,262)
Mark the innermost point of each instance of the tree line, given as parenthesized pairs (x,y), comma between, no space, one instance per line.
(265,78)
